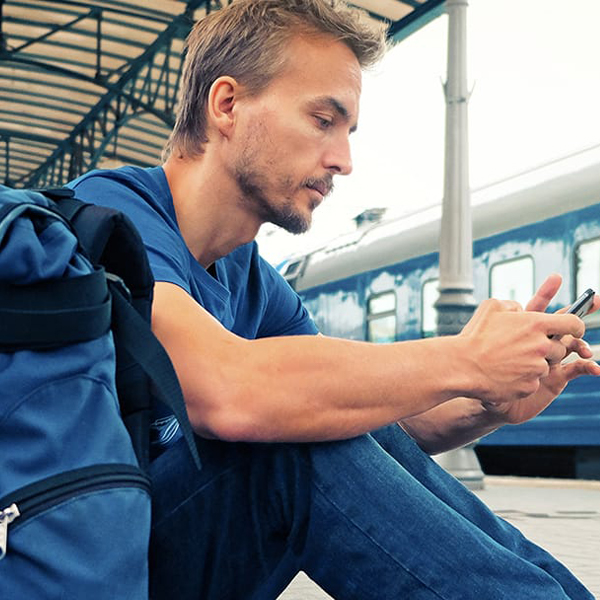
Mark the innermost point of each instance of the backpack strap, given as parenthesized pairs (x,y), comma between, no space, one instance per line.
(138,340)
(50,314)
(144,369)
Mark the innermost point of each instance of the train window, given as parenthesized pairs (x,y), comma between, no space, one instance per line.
(381,318)
(512,280)
(587,260)
(293,270)
(429,295)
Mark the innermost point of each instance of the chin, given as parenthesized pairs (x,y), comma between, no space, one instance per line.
(294,218)
(298,227)
(295,223)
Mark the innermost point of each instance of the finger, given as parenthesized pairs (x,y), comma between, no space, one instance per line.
(577,346)
(558,351)
(563,324)
(595,304)
(545,293)
(581,367)
(571,345)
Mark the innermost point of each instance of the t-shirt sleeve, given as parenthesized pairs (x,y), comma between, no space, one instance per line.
(167,253)
(285,314)
(251,298)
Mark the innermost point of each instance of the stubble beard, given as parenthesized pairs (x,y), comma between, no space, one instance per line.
(252,184)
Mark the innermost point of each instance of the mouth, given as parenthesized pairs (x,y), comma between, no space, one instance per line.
(322,186)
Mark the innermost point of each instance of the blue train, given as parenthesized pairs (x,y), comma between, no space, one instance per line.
(379,283)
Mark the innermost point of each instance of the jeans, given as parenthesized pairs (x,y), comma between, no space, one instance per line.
(371,517)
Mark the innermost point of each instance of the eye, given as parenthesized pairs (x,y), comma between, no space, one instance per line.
(323,122)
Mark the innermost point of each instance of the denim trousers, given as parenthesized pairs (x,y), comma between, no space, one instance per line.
(372,517)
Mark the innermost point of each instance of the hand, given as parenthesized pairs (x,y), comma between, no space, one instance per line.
(542,299)
(512,349)
(558,375)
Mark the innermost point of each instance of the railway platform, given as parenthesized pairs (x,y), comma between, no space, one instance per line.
(562,516)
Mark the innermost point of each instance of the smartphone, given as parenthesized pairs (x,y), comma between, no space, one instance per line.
(581,306)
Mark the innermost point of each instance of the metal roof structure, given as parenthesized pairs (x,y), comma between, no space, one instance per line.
(86,84)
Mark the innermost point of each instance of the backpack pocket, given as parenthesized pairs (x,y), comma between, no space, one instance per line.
(75,508)
(58,534)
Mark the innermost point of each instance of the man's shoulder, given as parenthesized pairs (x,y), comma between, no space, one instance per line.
(141,180)
(134,190)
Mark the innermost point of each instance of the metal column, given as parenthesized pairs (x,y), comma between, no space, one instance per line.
(456,303)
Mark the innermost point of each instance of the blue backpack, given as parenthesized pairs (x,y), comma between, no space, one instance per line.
(80,371)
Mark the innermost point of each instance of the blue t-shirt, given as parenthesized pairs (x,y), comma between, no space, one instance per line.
(247,295)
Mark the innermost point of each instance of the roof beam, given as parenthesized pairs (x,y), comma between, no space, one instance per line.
(136,92)
(426,12)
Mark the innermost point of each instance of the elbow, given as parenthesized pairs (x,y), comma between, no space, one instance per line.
(228,419)
(234,429)
(227,401)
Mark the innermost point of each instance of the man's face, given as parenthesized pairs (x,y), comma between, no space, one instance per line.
(294,135)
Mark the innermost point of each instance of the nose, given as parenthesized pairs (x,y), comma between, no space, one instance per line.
(338,156)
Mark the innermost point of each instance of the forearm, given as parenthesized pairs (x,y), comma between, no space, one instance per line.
(307,388)
(451,425)
(302,388)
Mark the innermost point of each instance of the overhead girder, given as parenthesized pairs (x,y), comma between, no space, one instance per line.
(87,81)
(146,85)
(135,92)
(423,13)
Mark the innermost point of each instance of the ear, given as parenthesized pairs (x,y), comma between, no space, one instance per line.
(221,102)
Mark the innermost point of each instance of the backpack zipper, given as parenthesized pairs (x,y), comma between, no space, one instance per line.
(42,495)
(7,516)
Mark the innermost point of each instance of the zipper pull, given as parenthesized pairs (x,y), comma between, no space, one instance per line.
(7,516)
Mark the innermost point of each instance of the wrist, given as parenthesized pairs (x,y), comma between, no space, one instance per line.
(467,373)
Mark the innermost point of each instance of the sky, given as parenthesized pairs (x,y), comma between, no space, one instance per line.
(534,73)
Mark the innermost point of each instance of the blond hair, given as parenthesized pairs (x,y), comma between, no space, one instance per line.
(246,41)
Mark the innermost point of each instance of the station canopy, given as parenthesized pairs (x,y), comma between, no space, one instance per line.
(87,84)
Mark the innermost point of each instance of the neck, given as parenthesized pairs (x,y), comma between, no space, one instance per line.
(212,219)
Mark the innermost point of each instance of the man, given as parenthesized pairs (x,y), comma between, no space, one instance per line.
(344,489)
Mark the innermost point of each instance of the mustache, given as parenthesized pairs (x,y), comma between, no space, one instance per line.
(324,185)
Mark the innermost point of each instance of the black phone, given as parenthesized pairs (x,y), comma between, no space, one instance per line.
(581,306)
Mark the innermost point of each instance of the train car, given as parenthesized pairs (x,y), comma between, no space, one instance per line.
(379,283)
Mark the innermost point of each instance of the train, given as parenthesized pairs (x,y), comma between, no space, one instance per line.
(379,283)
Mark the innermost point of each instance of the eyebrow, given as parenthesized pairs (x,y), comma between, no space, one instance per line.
(337,106)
